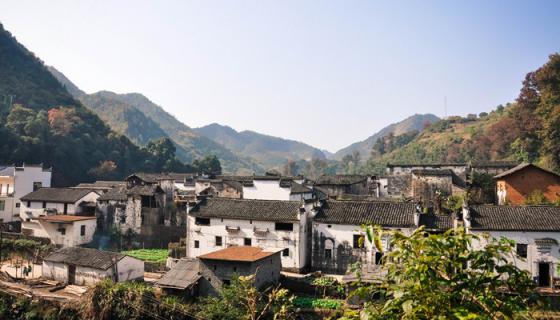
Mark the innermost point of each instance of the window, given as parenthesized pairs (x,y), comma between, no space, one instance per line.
(279,226)
(28,204)
(521,249)
(215,267)
(196,244)
(218,241)
(62,231)
(83,230)
(247,241)
(286,252)
(202,221)
(234,269)
(250,221)
(37,186)
(18,205)
(357,241)
(226,282)
(2,205)
(378,257)
(329,226)
(44,204)
(328,253)
(123,218)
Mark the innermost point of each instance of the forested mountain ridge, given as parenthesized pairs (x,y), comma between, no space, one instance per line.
(40,122)
(525,130)
(413,123)
(270,151)
(141,120)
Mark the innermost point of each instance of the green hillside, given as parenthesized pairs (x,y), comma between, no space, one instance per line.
(40,122)
(526,130)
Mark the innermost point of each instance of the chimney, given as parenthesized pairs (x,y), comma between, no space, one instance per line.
(466,214)
(417,213)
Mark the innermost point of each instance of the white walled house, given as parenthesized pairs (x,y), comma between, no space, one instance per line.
(337,229)
(16,182)
(64,215)
(274,188)
(217,223)
(535,230)
(85,266)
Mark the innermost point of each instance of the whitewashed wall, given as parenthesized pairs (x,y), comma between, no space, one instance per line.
(266,190)
(129,268)
(294,240)
(534,255)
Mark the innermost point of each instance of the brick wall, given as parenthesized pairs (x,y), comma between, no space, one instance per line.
(520,184)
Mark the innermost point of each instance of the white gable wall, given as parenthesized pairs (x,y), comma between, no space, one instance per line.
(266,190)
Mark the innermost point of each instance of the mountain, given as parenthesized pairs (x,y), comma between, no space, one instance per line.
(40,122)
(141,120)
(413,123)
(270,152)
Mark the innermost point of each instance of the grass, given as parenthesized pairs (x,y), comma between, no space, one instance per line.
(150,255)
(310,302)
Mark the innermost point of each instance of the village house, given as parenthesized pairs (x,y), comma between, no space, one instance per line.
(426,183)
(165,181)
(515,185)
(65,216)
(85,266)
(208,273)
(218,223)
(338,185)
(219,188)
(535,230)
(338,237)
(15,182)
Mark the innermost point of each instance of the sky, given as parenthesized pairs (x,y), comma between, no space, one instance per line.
(327,73)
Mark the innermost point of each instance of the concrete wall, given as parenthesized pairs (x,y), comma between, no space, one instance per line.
(515,188)
(128,269)
(292,240)
(266,271)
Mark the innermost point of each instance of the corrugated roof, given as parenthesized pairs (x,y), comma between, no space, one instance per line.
(515,218)
(264,210)
(85,257)
(183,275)
(63,195)
(240,253)
(386,214)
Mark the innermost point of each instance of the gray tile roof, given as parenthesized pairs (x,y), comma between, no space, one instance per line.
(386,214)
(85,257)
(184,274)
(340,179)
(144,190)
(521,167)
(297,188)
(433,172)
(434,221)
(515,218)
(63,195)
(263,210)
(115,194)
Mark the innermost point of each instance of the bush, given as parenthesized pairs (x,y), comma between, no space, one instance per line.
(309,302)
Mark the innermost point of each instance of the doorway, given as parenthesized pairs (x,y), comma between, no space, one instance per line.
(71,274)
(544,274)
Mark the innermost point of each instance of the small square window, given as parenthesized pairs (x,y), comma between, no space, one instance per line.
(234,269)
(202,221)
(378,257)
(18,205)
(218,241)
(62,231)
(196,244)
(215,267)
(44,204)
(357,239)
(286,252)
(280,226)
(247,241)
(521,249)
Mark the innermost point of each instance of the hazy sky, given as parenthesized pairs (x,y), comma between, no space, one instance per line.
(327,73)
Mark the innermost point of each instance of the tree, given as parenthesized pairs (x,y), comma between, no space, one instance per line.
(536,197)
(209,165)
(241,300)
(446,276)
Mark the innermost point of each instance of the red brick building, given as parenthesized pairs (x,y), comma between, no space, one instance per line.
(515,185)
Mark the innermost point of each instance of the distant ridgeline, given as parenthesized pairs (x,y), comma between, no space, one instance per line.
(527,130)
(40,122)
